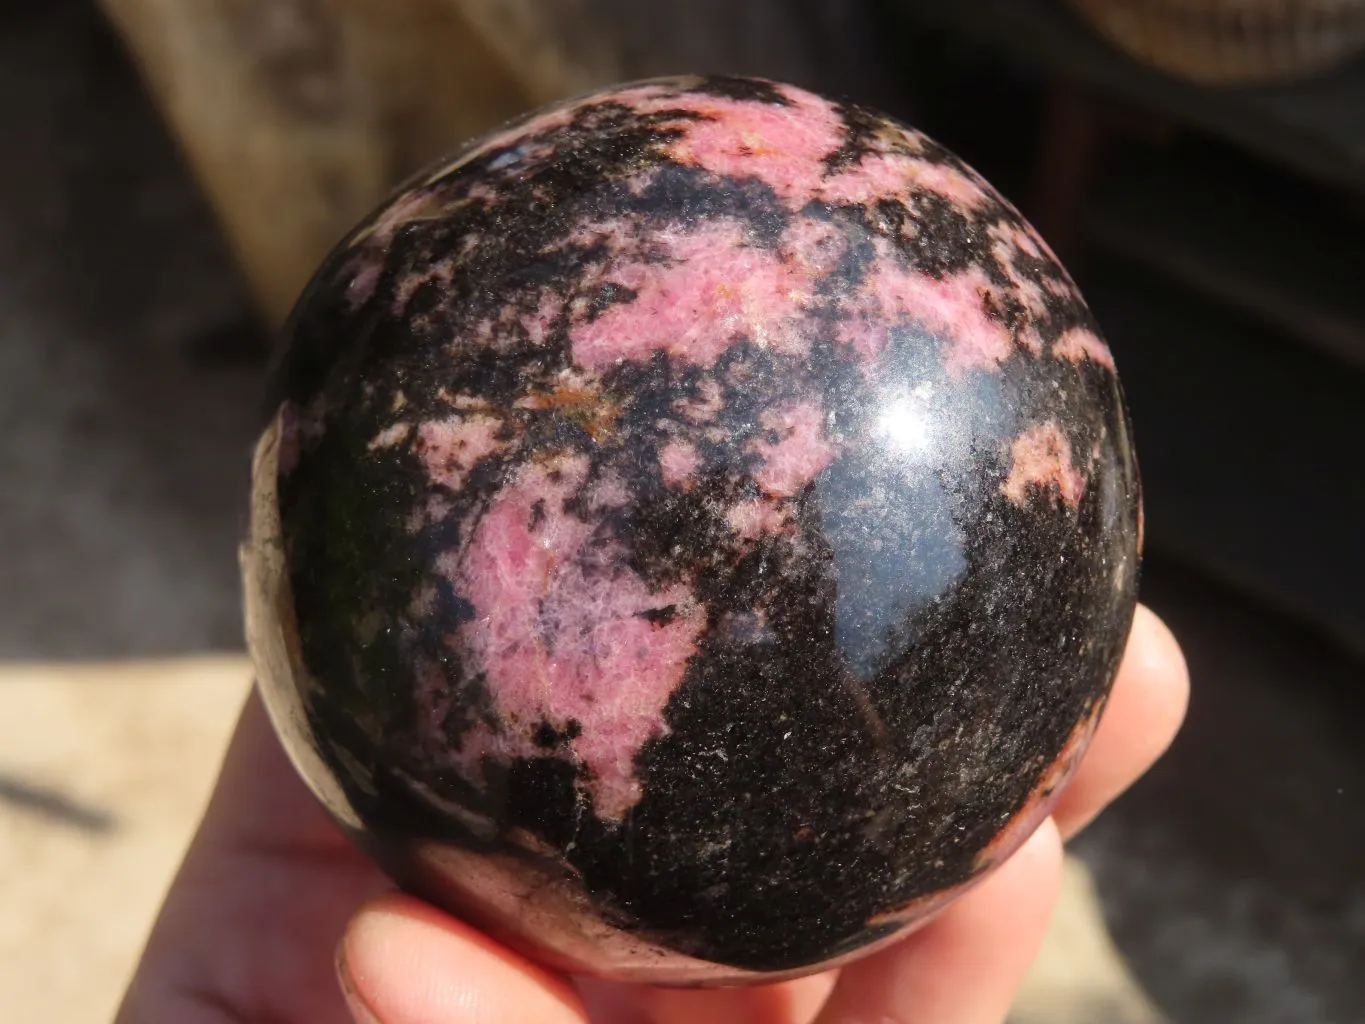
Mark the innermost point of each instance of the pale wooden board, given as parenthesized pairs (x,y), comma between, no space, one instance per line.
(296,118)
(137,744)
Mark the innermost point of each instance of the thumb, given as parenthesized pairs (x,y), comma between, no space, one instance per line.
(402,961)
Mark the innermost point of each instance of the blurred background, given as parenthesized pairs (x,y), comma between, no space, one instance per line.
(172,170)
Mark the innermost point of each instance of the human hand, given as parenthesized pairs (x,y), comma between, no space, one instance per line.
(270,889)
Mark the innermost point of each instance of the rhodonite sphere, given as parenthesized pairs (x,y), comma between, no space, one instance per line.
(695,534)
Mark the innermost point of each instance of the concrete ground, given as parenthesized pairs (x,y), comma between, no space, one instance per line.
(1226,888)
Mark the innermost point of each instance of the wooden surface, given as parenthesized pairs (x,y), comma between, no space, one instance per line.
(104,771)
(297,116)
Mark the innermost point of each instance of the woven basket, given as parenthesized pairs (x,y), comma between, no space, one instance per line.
(1232,41)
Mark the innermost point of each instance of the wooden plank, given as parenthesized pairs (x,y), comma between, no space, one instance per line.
(297,116)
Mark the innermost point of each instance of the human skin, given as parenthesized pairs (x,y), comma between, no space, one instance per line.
(271,900)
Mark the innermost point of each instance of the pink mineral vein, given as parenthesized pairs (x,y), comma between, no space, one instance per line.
(756,518)
(392,435)
(783,147)
(678,460)
(441,274)
(450,448)
(1041,457)
(501,331)
(364,278)
(566,632)
(801,453)
(1079,345)
(370,243)
(814,247)
(715,289)
(953,307)
(539,322)
(1026,291)
(898,176)
(1022,238)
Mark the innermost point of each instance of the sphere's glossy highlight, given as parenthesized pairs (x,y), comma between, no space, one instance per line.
(696,533)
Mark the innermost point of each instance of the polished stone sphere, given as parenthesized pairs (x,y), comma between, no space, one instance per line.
(695,533)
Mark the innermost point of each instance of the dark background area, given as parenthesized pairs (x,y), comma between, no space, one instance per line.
(1223,254)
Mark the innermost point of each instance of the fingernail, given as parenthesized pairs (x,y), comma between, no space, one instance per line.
(360,1013)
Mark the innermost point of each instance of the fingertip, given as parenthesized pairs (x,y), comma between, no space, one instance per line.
(402,961)
(1146,708)
(1038,861)
(1166,678)
(965,966)
(355,1002)
(789,1002)
(1029,882)
(1154,650)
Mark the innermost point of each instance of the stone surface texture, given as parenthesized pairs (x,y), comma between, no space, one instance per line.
(695,533)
